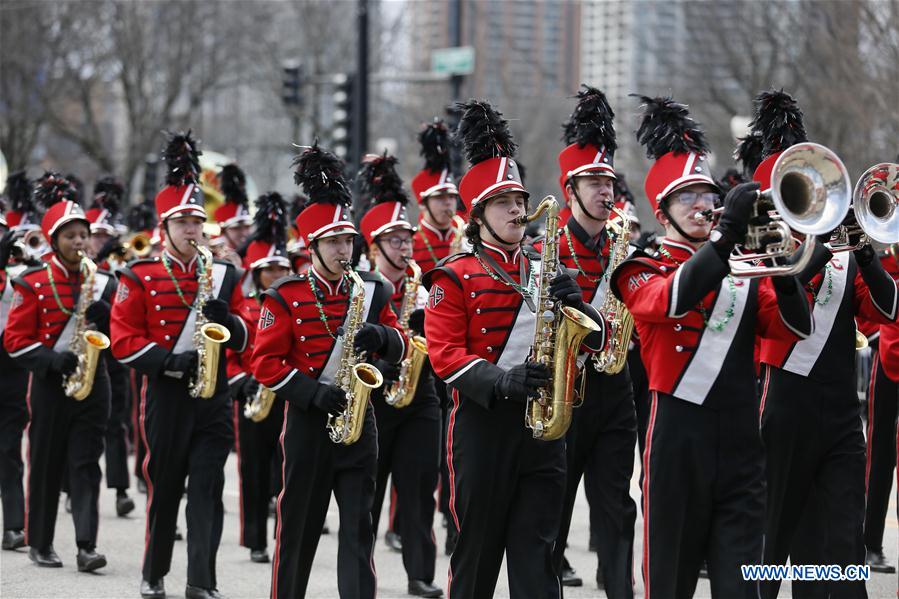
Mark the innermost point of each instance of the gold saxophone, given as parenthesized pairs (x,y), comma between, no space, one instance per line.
(401,393)
(208,336)
(620,322)
(86,344)
(257,409)
(458,234)
(354,376)
(557,338)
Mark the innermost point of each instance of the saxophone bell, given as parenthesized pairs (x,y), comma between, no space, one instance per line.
(86,343)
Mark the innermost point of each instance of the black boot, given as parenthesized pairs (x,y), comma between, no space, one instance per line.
(393,540)
(569,576)
(260,556)
(876,559)
(89,560)
(152,590)
(46,558)
(192,592)
(124,505)
(420,588)
(13,539)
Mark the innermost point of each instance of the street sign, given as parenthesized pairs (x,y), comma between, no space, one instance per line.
(453,61)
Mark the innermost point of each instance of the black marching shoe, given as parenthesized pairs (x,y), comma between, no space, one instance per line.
(152,590)
(569,576)
(124,505)
(420,588)
(178,535)
(192,592)
(876,559)
(393,540)
(13,539)
(46,558)
(260,556)
(89,560)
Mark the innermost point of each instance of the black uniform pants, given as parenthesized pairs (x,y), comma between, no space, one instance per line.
(64,433)
(13,416)
(445,409)
(117,428)
(314,467)
(813,440)
(601,440)
(506,497)
(256,445)
(409,452)
(139,444)
(704,498)
(883,397)
(187,438)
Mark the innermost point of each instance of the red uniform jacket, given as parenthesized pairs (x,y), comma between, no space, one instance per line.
(240,364)
(37,327)
(150,319)
(685,358)
(294,351)
(870,329)
(430,245)
(889,350)
(478,327)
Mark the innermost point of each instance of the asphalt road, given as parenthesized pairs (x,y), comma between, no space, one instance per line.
(122,540)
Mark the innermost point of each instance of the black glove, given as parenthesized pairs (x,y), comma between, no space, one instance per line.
(329,399)
(738,206)
(417,321)
(566,290)
(177,366)
(112,246)
(865,255)
(64,363)
(521,381)
(390,372)
(249,387)
(98,313)
(217,310)
(371,338)
(6,243)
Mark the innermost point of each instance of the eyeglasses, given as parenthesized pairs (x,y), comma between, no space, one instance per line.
(398,242)
(691,198)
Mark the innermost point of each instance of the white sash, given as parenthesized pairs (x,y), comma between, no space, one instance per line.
(330,369)
(185,340)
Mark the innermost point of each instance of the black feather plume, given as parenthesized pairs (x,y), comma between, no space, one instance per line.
(108,194)
(78,184)
(233,183)
(591,123)
(435,145)
(668,127)
(380,182)
(271,219)
(320,174)
(778,120)
(296,206)
(142,217)
(52,188)
(182,156)
(749,152)
(483,132)
(19,191)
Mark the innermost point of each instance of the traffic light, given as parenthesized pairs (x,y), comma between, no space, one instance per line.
(342,127)
(291,85)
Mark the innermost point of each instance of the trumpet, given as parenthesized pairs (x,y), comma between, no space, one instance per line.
(810,193)
(875,210)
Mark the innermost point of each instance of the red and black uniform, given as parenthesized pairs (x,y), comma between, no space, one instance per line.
(297,357)
(63,434)
(510,503)
(883,397)
(703,486)
(810,420)
(409,452)
(13,416)
(256,442)
(153,323)
(430,245)
(600,442)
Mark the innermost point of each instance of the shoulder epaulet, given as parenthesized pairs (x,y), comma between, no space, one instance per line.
(141,261)
(442,267)
(20,278)
(367,275)
(288,279)
(452,258)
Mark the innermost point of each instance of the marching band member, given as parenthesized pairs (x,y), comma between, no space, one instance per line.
(703,486)
(266,261)
(507,488)
(298,353)
(880,435)
(602,437)
(810,420)
(408,437)
(49,312)
(154,325)
(103,217)
(13,409)
(233,216)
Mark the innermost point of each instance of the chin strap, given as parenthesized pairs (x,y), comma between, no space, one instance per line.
(580,203)
(664,208)
(314,246)
(497,237)
(383,253)
(168,236)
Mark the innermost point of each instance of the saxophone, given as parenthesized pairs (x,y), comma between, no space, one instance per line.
(257,409)
(354,376)
(613,357)
(86,344)
(458,235)
(401,393)
(558,335)
(208,336)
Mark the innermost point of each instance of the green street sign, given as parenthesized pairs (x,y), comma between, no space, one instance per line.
(453,61)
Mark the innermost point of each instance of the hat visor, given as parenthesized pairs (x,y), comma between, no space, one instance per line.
(685,182)
(66,220)
(270,261)
(501,189)
(184,211)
